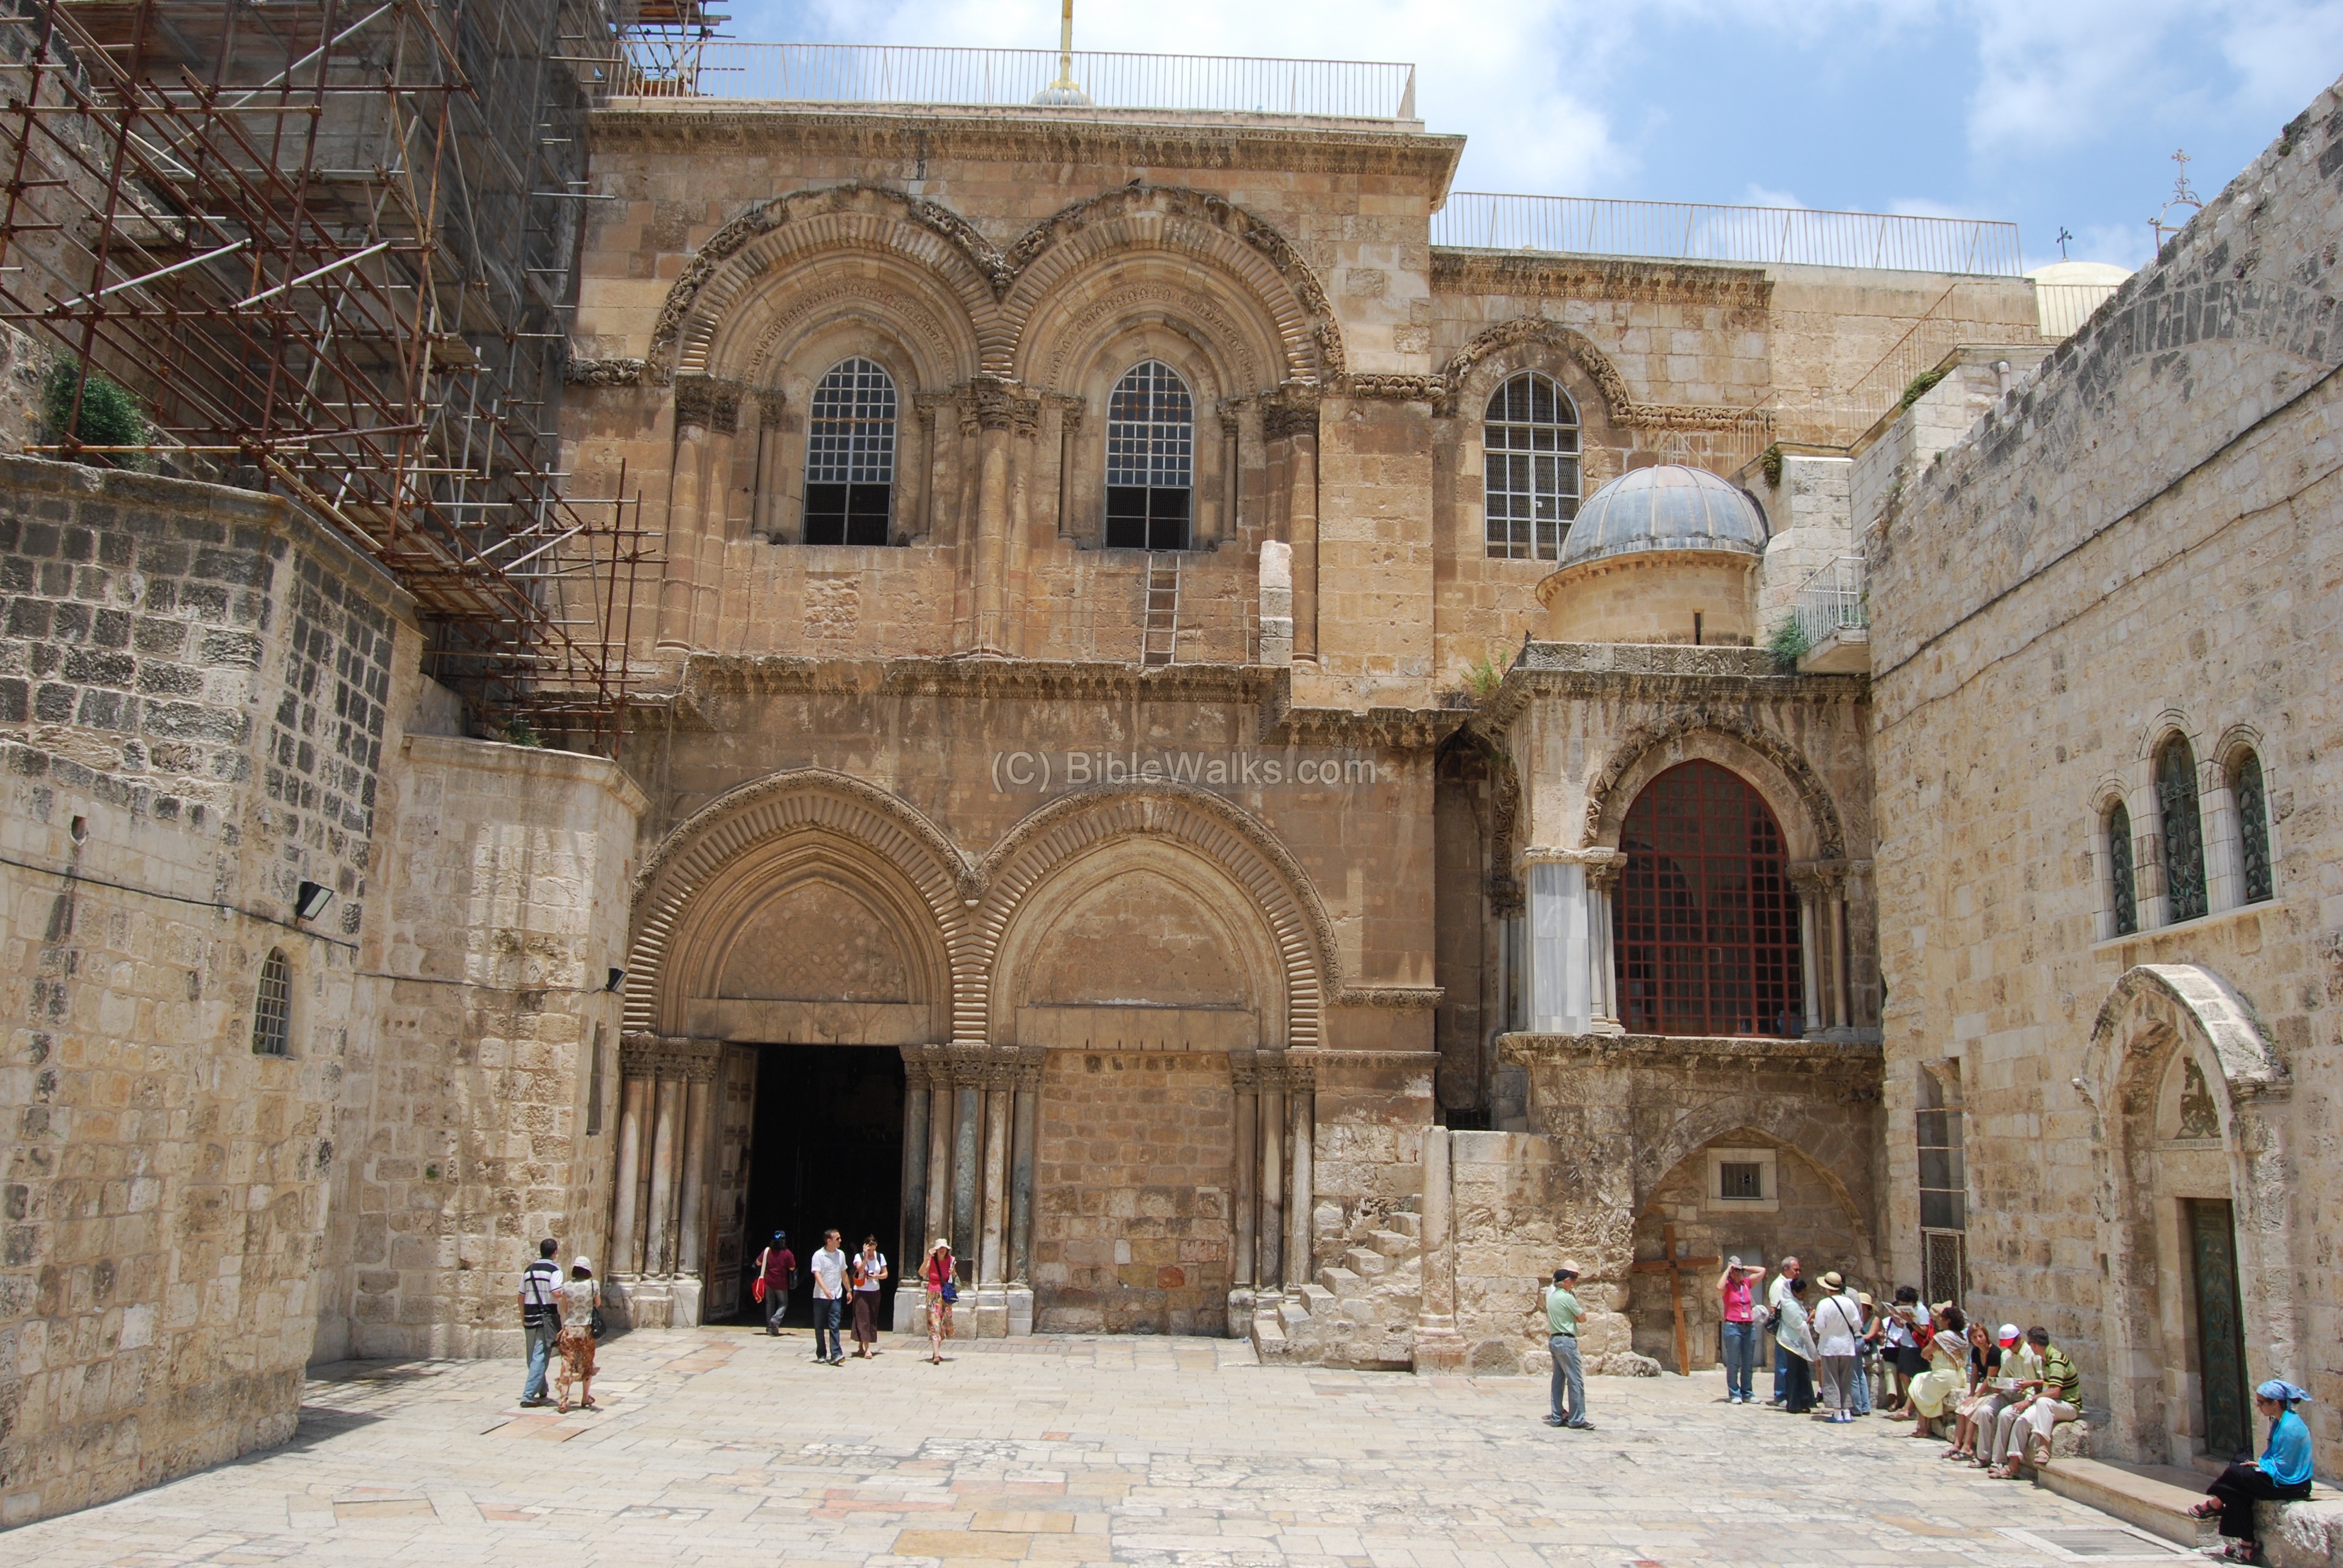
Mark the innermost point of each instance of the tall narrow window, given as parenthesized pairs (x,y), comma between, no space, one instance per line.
(1530,451)
(1150,456)
(1944,1183)
(2123,899)
(272,1007)
(2184,831)
(1707,921)
(2253,826)
(850,457)
(594,1088)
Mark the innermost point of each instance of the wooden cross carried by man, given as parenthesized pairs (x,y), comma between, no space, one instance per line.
(1675,1268)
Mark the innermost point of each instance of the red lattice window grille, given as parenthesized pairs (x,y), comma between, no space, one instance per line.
(1706,922)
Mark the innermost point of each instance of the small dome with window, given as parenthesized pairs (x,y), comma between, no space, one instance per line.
(1668,554)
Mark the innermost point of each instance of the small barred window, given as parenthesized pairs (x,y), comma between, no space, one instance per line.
(2184,830)
(2253,827)
(272,1007)
(850,457)
(2122,897)
(1150,454)
(1530,453)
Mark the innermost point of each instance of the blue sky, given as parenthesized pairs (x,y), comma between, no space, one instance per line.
(2050,113)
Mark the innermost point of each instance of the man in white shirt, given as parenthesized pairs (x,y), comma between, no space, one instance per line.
(540,1318)
(1791,1269)
(828,1299)
(1838,1324)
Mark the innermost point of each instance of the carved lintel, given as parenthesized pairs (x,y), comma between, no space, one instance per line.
(1396,388)
(659,1056)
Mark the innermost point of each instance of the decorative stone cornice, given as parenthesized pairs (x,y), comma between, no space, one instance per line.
(1398,997)
(1395,388)
(1659,673)
(1422,1061)
(1583,277)
(1137,138)
(603,371)
(1555,855)
(1668,1049)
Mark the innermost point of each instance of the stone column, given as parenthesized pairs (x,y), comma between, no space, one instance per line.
(1438,1346)
(767,518)
(1560,963)
(1244,1083)
(1835,885)
(698,1143)
(683,517)
(994,1253)
(723,424)
(1302,1108)
(1269,1230)
(1603,869)
(1809,887)
(627,1199)
(1024,1128)
(968,1133)
(1001,411)
(940,1155)
(1291,416)
(667,1165)
(911,1239)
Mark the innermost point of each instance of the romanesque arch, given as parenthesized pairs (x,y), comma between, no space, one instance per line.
(805,833)
(1467,378)
(2167,1034)
(1801,802)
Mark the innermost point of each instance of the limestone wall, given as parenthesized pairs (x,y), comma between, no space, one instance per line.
(468,1123)
(2140,542)
(197,690)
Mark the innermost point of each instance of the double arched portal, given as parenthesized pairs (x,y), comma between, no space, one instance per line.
(1085,1058)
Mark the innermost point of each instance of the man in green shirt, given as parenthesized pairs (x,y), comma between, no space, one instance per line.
(1561,1314)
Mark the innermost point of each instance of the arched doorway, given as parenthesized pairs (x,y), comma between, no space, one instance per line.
(1706,920)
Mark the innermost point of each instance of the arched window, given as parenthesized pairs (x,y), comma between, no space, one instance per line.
(850,457)
(1529,440)
(1707,922)
(1150,459)
(2184,830)
(2123,900)
(272,1007)
(2253,826)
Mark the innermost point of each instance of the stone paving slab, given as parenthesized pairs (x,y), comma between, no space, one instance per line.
(723,1447)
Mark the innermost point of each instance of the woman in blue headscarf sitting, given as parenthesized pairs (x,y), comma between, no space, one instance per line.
(2283,1476)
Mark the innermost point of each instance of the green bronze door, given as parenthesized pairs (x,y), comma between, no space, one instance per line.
(2220,1327)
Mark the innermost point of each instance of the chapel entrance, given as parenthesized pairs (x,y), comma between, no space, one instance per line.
(2220,1326)
(827,1153)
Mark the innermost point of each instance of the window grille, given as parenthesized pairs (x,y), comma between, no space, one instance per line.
(1151,451)
(1944,1264)
(2253,827)
(1529,441)
(2123,900)
(594,1088)
(2184,831)
(1707,922)
(1944,1176)
(272,1007)
(850,456)
(1737,1179)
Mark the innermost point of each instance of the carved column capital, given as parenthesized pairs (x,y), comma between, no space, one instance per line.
(708,403)
(1290,411)
(1005,405)
(1244,1072)
(773,405)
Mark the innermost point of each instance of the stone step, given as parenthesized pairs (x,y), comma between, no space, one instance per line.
(1268,1333)
(1406,1223)
(1337,1278)
(2157,1507)
(1395,1243)
(1365,1262)
(1293,1315)
(1316,1299)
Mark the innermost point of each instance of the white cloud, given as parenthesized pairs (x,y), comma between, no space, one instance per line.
(1766,195)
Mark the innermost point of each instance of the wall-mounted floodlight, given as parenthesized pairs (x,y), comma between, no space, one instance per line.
(617,979)
(311,900)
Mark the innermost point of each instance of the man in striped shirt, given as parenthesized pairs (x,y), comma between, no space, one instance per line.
(540,1317)
(2041,1403)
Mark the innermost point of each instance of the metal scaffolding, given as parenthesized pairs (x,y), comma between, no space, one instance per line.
(332,245)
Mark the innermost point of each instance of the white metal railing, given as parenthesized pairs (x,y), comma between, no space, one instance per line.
(1831,599)
(1694,231)
(889,74)
(2063,307)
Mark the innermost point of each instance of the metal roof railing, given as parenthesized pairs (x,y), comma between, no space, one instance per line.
(1006,78)
(1693,231)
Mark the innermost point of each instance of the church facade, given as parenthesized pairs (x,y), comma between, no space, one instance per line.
(1217,755)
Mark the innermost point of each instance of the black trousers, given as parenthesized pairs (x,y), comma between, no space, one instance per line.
(2241,1486)
(1799,1398)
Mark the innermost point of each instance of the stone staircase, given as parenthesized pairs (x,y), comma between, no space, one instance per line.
(1358,1313)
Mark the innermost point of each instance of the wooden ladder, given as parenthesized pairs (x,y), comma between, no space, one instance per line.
(1161,639)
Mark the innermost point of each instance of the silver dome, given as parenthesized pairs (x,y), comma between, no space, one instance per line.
(1665,507)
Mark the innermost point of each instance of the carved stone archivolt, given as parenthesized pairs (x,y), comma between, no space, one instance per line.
(1618,399)
(1607,800)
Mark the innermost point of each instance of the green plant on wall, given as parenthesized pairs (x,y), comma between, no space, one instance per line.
(1483,678)
(519,731)
(1788,642)
(1769,462)
(110,414)
(1917,387)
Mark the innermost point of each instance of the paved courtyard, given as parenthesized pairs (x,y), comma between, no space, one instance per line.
(722,1447)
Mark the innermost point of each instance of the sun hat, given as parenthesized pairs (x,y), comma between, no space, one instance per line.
(582,1261)
(2008,1334)
(2278,1388)
(943,1244)
(1864,1297)
(1567,1268)
(1832,1279)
